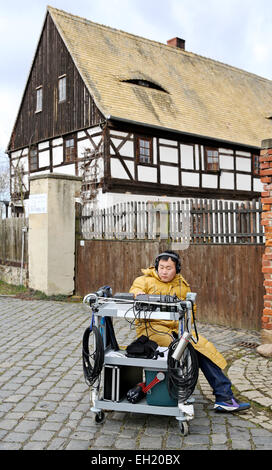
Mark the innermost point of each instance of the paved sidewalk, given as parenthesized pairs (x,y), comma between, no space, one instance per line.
(44,401)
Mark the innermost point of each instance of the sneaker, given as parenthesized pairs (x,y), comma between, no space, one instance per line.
(231,405)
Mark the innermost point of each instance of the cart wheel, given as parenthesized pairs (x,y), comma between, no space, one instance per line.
(100,417)
(184,428)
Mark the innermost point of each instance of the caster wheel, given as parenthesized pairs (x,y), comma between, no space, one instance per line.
(100,417)
(184,428)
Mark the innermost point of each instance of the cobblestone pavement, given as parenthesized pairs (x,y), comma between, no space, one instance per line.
(44,401)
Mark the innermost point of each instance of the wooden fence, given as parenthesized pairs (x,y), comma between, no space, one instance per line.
(14,241)
(191,221)
(228,279)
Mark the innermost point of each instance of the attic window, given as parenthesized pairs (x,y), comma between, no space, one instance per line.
(145,83)
(62,88)
(39,99)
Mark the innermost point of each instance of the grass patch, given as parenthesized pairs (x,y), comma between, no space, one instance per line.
(10,289)
(25,293)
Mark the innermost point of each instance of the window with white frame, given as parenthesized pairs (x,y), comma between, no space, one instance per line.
(62,88)
(39,99)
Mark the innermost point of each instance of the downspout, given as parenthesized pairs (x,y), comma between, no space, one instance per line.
(24,229)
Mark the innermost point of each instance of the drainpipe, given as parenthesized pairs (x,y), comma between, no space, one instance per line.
(24,229)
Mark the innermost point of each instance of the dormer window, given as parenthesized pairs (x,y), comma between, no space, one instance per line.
(145,83)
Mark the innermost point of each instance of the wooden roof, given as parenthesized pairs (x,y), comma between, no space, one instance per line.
(201,96)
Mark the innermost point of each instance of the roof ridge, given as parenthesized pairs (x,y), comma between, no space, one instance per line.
(158,44)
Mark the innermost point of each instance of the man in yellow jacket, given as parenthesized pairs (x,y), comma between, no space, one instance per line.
(165,279)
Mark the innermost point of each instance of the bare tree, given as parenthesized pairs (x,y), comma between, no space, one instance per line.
(4,183)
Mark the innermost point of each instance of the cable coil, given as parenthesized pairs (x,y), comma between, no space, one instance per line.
(92,372)
(183,374)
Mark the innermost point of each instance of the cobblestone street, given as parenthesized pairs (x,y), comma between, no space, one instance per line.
(45,401)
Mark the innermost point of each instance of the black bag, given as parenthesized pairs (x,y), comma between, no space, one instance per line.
(143,347)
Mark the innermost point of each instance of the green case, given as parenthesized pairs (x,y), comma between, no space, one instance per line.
(158,395)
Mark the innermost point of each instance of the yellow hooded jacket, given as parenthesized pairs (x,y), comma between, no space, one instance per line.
(150,283)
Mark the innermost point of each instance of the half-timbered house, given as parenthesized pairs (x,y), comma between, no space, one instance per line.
(137,118)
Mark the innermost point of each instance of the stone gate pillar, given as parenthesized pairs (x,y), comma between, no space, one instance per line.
(51,243)
(266,179)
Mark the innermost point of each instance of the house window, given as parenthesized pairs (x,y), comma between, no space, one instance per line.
(39,99)
(211,159)
(33,159)
(62,88)
(69,148)
(144,150)
(256,164)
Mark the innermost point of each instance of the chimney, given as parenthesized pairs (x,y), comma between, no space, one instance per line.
(177,42)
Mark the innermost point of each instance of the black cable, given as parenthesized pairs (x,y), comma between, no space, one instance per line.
(194,324)
(183,374)
(92,372)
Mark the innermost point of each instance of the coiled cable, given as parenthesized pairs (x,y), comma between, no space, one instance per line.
(183,374)
(92,361)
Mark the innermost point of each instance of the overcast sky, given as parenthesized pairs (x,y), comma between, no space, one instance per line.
(236,32)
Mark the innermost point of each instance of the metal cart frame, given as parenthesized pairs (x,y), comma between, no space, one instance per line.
(116,308)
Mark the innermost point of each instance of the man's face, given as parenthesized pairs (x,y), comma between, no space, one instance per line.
(167,270)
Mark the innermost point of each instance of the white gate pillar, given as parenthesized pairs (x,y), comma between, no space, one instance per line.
(52,233)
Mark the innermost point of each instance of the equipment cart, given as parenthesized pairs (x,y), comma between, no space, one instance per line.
(110,373)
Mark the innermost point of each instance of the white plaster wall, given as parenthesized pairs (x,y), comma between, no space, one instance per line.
(226,162)
(146,173)
(243,164)
(43,145)
(169,175)
(65,170)
(44,158)
(24,163)
(190,179)
(94,130)
(57,153)
(105,200)
(209,181)
(243,182)
(226,180)
(257,185)
(117,169)
(58,141)
(127,150)
(168,154)
(187,157)
(82,145)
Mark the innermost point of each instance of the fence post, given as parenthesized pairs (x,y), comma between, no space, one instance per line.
(266,179)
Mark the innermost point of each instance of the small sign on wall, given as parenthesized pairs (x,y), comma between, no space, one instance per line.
(37,204)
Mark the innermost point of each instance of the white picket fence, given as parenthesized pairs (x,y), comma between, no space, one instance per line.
(188,221)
